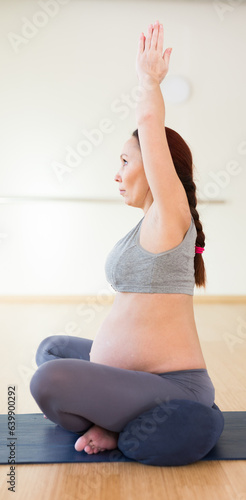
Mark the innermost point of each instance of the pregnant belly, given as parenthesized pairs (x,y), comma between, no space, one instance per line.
(139,335)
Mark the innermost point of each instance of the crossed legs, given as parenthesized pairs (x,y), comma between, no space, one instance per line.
(79,394)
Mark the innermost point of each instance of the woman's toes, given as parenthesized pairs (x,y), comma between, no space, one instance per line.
(81,443)
(88,450)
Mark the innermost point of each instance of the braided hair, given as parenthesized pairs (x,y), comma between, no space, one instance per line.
(183,163)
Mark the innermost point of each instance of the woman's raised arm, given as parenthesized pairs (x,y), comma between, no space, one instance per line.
(152,66)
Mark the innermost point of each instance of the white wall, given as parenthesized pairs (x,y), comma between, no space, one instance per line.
(73,74)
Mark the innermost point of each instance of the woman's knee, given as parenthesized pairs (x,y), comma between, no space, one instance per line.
(43,353)
(45,381)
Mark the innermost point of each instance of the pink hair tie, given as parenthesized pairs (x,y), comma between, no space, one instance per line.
(199,249)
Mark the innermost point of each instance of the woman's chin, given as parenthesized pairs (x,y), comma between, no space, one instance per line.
(128,202)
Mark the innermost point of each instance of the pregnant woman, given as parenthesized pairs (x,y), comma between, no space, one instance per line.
(147,350)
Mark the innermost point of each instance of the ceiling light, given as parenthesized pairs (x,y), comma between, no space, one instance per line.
(176,89)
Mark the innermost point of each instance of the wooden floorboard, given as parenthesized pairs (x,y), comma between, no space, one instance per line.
(224,480)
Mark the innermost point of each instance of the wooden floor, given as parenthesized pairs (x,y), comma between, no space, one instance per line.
(222,332)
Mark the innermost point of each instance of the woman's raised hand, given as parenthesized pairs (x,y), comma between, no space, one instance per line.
(151,64)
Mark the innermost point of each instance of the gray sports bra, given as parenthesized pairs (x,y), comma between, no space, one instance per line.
(131,268)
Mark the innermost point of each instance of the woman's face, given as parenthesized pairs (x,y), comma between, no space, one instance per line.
(131,177)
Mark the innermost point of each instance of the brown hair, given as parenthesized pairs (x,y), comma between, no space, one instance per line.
(183,162)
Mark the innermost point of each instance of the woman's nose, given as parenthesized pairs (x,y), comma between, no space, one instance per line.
(117,177)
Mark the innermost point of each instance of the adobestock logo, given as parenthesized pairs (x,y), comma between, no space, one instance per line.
(222,8)
(121,107)
(39,20)
(236,337)
(75,155)
(222,178)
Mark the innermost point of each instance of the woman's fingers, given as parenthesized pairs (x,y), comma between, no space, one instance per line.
(154,40)
(160,39)
(141,43)
(148,38)
(166,56)
(150,57)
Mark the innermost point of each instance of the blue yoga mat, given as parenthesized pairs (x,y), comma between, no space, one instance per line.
(37,440)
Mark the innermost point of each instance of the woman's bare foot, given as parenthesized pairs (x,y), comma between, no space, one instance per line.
(45,416)
(97,439)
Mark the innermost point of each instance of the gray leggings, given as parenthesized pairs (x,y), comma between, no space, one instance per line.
(76,393)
